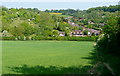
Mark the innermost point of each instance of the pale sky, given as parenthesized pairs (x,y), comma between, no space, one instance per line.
(57,4)
(59,0)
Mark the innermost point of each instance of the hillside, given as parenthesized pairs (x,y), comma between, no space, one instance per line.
(32,23)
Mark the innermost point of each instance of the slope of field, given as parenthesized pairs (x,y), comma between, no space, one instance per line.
(44,53)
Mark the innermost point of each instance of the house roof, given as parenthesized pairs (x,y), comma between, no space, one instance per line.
(93,30)
(73,24)
(77,31)
(60,32)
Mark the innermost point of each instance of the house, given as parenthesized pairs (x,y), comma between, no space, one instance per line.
(80,18)
(102,24)
(61,33)
(103,16)
(77,33)
(29,20)
(70,17)
(90,22)
(73,24)
(32,19)
(90,31)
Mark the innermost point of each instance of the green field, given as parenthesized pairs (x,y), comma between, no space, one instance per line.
(44,56)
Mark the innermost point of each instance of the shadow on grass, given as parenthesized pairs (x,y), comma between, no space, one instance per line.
(97,61)
(93,61)
(25,69)
(89,69)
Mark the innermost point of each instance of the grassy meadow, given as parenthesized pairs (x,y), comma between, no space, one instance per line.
(23,57)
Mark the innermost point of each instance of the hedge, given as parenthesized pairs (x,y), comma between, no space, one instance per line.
(7,38)
(87,38)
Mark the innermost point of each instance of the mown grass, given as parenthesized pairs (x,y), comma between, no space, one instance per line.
(30,54)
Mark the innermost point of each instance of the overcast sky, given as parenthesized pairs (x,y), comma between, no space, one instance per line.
(57,4)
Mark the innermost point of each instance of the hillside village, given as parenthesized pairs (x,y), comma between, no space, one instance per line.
(80,33)
(76,33)
(36,24)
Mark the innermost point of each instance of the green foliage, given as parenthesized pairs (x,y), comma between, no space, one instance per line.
(63,26)
(47,33)
(64,12)
(90,26)
(106,9)
(67,38)
(80,28)
(7,38)
(28,30)
(108,45)
(85,32)
(55,33)
(75,28)
(17,31)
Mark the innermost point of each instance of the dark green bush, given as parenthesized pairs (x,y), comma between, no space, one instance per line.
(7,38)
(87,38)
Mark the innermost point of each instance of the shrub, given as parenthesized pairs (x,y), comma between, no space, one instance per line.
(87,38)
(7,38)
